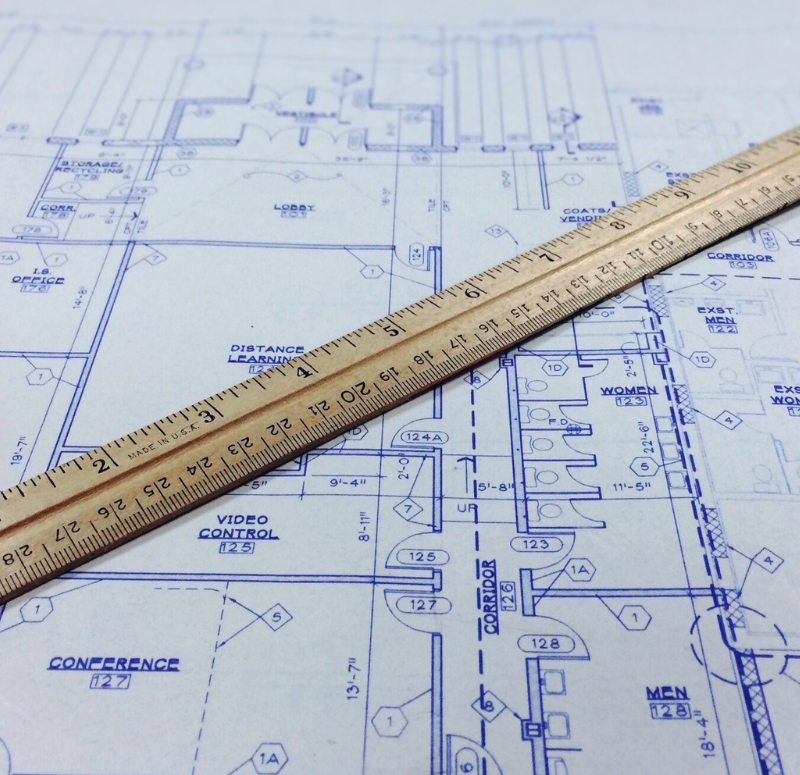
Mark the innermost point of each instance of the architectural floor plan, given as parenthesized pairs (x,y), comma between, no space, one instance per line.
(580,558)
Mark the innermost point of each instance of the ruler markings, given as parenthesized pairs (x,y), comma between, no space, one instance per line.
(317,396)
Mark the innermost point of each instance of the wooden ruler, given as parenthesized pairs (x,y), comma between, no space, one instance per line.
(89,505)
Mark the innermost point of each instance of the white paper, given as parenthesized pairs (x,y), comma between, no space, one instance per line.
(580,558)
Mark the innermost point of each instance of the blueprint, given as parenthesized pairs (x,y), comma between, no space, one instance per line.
(580,558)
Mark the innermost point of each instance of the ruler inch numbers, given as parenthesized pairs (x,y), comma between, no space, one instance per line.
(86,506)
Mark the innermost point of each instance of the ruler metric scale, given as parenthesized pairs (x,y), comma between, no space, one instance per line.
(93,503)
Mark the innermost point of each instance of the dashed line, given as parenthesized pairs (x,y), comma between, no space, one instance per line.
(210,677)
(739,276)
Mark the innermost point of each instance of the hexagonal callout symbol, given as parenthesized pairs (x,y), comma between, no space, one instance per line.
(56,259)
(269,758)
(39,376)
(389,722)
(580,569)
(372,271)
(8,257)
(634,617)
(37,609)
(702,359)
(644,466)
(555,368)
(357,433)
